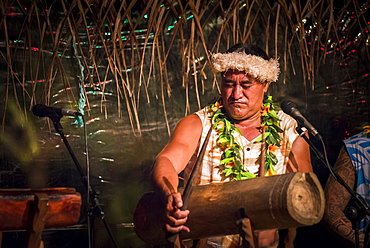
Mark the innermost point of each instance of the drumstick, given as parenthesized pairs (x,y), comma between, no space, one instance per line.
(191,182)
(261,171)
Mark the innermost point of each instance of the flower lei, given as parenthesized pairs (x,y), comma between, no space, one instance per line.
(231,165)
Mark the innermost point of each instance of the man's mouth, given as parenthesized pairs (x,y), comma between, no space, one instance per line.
(237,102)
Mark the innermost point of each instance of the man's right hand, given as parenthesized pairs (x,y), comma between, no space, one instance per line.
(175,217)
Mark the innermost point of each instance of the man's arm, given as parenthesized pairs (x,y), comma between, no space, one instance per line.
(169,163)
(299,157)
(176,154)
(337,198)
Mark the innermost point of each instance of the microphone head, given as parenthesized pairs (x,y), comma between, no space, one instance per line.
(39,110)
(42,110)
(288,107)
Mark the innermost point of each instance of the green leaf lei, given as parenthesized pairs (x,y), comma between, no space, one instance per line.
(231,165)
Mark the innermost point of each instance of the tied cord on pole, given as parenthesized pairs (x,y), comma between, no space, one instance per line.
(82,99)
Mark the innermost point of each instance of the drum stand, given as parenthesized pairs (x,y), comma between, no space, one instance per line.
(246,231)
(34,230)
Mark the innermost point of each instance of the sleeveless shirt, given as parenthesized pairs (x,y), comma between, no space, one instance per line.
(251,149)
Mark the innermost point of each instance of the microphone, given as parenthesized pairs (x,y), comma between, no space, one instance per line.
(291,109)
(42,110)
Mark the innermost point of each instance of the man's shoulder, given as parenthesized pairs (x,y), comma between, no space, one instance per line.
(202,111)
(357,139)
(204,115)
(286,121)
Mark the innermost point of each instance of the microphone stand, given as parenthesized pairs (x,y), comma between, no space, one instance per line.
(360,207)
(94,207)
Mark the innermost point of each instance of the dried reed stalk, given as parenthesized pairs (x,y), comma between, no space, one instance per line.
(130,43)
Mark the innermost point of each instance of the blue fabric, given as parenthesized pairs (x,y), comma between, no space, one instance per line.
(359,152)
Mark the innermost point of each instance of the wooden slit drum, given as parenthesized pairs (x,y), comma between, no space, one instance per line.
(275,202)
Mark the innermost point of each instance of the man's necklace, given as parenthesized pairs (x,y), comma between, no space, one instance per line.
(231,165)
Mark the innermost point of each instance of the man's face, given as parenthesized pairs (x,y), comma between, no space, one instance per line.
(242,96)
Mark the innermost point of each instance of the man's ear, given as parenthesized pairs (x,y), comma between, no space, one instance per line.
(266,87)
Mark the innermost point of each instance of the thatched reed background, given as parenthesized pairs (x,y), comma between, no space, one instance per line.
(134,68)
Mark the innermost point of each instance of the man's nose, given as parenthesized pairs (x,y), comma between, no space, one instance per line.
(237,92)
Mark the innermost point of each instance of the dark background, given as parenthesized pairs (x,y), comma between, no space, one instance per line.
(134,68)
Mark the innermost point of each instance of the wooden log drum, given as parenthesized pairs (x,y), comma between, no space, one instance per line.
(34,210)
(275,202)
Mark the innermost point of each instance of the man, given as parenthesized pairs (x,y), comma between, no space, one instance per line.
(233,151)
(353,166)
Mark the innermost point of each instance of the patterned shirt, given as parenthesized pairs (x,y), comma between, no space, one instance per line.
(359,152)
